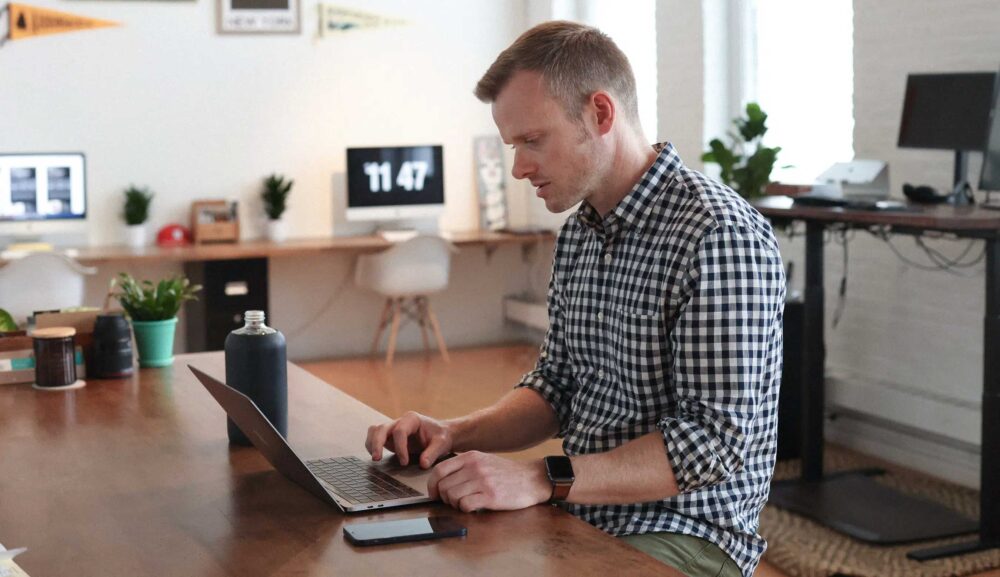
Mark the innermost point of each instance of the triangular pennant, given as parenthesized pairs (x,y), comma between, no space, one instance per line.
(338,19)
(31,21)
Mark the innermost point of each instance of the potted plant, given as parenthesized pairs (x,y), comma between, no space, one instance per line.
(153,309)
(275,197)
(136,213)
(746,163)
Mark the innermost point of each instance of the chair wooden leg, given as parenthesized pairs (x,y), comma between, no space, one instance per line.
(422,319)
(382,322)
(397,306)
(437,332)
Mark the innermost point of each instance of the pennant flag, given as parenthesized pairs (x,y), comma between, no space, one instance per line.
(27,21)
(338,19)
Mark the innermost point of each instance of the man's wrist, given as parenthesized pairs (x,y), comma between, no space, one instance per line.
(559,470)
(456,431)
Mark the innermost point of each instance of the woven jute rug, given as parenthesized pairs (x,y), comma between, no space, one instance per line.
(803,548)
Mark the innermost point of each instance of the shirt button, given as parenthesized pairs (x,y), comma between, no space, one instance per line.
(607,258)
(600,373)
(579,426)
(600,316)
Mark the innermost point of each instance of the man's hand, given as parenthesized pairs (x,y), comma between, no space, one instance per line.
(410,435)
(474,480)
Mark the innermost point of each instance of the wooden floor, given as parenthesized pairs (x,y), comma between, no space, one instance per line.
(425,383)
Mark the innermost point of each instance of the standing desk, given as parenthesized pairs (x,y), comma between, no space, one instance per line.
(856,504)
(135,476)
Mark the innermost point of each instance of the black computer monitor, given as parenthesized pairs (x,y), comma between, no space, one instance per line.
(948,112)
(989,178)
(395,182)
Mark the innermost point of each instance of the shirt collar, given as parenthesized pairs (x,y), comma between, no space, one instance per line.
(633,210)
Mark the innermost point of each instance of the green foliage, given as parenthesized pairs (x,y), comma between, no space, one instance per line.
(6,322)
(137,202)
(275,195)
(144,301)
(745,162)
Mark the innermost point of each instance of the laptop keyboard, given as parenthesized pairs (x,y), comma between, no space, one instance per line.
(359,481)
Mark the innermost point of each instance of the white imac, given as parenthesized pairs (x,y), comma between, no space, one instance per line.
(398,183)
(42,195)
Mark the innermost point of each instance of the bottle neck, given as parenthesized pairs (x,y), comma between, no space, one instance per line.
(254,324)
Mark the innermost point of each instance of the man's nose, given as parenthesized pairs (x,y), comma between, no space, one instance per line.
(523,167)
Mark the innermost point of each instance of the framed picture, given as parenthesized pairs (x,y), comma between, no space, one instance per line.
(214,221)
(259,16)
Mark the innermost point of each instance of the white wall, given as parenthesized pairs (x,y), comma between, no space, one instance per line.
(683,87)
(166,102)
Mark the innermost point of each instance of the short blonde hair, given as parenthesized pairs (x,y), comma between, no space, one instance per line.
(575,61)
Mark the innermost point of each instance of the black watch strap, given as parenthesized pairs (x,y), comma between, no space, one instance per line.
(560,472)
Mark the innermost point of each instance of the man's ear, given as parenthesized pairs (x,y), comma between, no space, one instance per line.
(605,113)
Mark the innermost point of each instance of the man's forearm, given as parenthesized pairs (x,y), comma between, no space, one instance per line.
(521,419)
(635,472)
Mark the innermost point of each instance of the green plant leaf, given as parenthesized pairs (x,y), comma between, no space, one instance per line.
(146,301)
(137,201)
(745,163)
(6,322)
(275,195)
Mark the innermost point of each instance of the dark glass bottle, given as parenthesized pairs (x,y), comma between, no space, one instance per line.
(256,367)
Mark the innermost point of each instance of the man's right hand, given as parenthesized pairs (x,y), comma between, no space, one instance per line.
(410,435)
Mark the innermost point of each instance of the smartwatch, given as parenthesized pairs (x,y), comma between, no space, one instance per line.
(560,472)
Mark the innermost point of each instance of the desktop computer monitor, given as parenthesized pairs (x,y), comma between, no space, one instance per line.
(394,183)
(948,112)
(989,178)
(42,194)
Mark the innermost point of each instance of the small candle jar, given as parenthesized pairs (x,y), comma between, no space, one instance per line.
(55,359)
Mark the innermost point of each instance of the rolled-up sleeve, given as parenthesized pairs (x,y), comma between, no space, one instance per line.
(722,342)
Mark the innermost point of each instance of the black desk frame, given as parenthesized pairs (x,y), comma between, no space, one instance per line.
(813,361)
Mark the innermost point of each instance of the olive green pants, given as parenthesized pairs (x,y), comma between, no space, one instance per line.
(690,555)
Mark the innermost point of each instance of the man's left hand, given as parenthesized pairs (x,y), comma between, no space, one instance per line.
(474,480)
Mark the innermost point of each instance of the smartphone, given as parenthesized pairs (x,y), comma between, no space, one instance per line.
(385,532)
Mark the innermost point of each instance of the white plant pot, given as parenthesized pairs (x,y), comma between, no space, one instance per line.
(135,235)
(277,230)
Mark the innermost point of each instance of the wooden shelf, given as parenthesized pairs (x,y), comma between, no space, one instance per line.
(267,249)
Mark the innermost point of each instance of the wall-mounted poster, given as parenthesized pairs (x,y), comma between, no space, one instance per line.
(340,19)
(491,184)
(259,16)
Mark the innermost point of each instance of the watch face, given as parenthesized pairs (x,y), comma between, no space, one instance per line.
(559,468)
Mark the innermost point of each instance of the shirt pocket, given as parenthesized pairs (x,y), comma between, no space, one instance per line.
(640,347)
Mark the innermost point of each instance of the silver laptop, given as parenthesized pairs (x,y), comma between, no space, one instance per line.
(352,482)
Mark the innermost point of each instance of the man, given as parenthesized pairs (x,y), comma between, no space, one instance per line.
(661,365)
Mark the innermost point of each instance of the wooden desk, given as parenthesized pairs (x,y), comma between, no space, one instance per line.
(135,477)
(814,489)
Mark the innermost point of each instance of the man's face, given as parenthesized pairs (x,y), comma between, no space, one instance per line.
(557,154)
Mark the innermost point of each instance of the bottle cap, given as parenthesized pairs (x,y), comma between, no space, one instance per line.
(254,316)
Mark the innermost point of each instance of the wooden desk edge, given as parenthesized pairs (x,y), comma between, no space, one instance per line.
(266,249)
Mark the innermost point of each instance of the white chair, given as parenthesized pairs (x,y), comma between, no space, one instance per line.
(405,274)
(41,281)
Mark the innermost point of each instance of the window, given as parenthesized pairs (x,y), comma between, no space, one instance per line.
(632,25)
(804,80)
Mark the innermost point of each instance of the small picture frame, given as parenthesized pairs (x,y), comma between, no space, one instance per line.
(259,16)
(214,221)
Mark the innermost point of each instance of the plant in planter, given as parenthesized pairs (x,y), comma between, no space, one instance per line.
(136,213)
(153,309)
(746,163)
(275,197)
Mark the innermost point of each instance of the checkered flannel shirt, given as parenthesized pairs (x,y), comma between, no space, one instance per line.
(665,315)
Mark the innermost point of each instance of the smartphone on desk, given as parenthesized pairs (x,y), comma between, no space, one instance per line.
(385,532)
